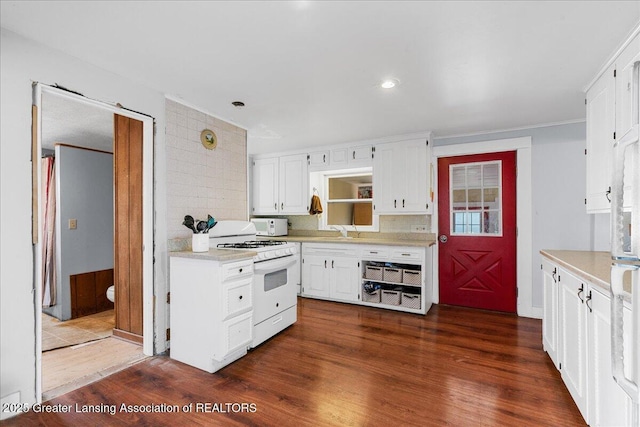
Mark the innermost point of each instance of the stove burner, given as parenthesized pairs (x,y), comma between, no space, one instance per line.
(251,244)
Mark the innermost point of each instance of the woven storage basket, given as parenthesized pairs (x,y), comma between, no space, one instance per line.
(390,297)
(411,300)
(412,277)
(371,297)
(373,273)
(392,274)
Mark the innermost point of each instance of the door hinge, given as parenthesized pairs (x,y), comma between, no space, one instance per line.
(168,334)
(168,297)
(517,292)
(517,233)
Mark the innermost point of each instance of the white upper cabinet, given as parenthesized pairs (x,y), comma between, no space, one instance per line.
(351,157)
(280,185)
(265,186)
(600,139)
(610,116)
(401,177)
(294,187)
(318,160)
(626,88)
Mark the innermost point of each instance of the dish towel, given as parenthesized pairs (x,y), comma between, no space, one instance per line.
(316,206)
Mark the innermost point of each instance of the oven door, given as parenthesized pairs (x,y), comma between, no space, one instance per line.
(274,287)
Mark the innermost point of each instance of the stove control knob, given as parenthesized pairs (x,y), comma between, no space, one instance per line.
(279,252)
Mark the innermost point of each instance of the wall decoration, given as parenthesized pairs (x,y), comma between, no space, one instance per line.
(209,139)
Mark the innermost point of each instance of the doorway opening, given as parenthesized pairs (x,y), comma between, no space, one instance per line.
(75,251)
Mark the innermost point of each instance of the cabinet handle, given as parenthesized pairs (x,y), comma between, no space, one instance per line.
(580,291)
(240,271)
(608,193)
(240,297)
(403,203)
(394,204)
(275,206)
(555,271)
(324,158)
(281,206)
(325,263)
(588,302)
(354,155)
(331,263)
(406,254)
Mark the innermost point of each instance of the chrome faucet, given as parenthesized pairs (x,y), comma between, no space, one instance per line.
(342,229)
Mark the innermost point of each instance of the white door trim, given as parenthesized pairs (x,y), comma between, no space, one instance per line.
(147,219)
(524,222)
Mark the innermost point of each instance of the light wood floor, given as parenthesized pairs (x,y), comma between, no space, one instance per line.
(347,365)
(69,368)
(58,334)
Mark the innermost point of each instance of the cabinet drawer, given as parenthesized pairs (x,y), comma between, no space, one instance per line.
(406,254)
(237,297)
(237,333)
(374,253)
(234,270)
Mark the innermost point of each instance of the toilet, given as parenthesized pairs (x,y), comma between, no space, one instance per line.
(111,293)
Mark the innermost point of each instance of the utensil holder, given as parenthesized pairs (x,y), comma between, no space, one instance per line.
(200,242)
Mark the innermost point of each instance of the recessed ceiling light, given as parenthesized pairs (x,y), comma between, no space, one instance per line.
(238,104)
(389,83)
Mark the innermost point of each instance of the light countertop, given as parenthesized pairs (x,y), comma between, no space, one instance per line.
(426,241)
(215,254)
(594,267)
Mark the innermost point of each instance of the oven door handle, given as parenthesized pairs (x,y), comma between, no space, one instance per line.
(267,267)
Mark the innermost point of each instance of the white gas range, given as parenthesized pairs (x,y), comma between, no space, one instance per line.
(276,270)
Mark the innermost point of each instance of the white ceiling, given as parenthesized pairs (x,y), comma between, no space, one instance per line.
(308,71)
(75,123)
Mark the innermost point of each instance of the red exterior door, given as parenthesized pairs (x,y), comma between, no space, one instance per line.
(477,226)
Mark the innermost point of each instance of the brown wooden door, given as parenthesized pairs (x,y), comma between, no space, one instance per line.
(128,227)
(477,226)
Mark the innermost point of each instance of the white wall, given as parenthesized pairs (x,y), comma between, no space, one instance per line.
(84,191)
(559,215)
(24,62)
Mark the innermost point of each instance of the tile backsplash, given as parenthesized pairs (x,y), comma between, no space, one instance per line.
(201,181)
(387,223)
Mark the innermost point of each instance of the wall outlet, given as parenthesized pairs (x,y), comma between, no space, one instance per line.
(418,228)
(73,224)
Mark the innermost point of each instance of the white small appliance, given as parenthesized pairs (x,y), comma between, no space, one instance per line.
(270,226)
(275,276)
(625,247)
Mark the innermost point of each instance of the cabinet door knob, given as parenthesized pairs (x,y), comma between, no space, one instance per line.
(240,271)
(240,297)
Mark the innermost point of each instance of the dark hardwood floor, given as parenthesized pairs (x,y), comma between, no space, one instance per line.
(347,365)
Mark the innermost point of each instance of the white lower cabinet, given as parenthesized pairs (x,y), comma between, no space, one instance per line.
(573,338)
(608,404)
(330,271)
(211,311)
(550,339)
(576,334)
(392,277)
